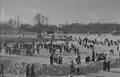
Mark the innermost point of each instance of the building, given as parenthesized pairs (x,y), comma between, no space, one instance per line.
(45,20)
(41,19)
(15,22)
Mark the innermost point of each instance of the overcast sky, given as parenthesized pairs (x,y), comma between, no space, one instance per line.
(61,11)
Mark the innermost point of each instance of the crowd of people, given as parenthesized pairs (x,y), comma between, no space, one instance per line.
(30,71)
(33,49)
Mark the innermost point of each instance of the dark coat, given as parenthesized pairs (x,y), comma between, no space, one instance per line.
(27,71)
(104,65)
(108,64)
(32,71)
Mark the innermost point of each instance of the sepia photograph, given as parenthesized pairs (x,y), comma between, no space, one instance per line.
(59,38)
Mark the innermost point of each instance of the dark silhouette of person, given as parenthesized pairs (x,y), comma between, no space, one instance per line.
(50,50)
(93,55)
(2,70)
(78,59)
(60,60)
(108,65)
(51,59)
(117,48)
(27,71)
(104,65)
(32,71)
(72,67)
(87,59)
(60,50)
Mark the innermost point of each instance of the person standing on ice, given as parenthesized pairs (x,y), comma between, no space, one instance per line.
(93,56)
(72,67)
(27,71)
(104,65)
(51,59)
(108,65)
(32,71)
(2,70)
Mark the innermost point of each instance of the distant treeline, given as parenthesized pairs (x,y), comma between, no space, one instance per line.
(92,28)
(72,28)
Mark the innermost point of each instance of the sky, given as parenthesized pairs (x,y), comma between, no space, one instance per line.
(62,11)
